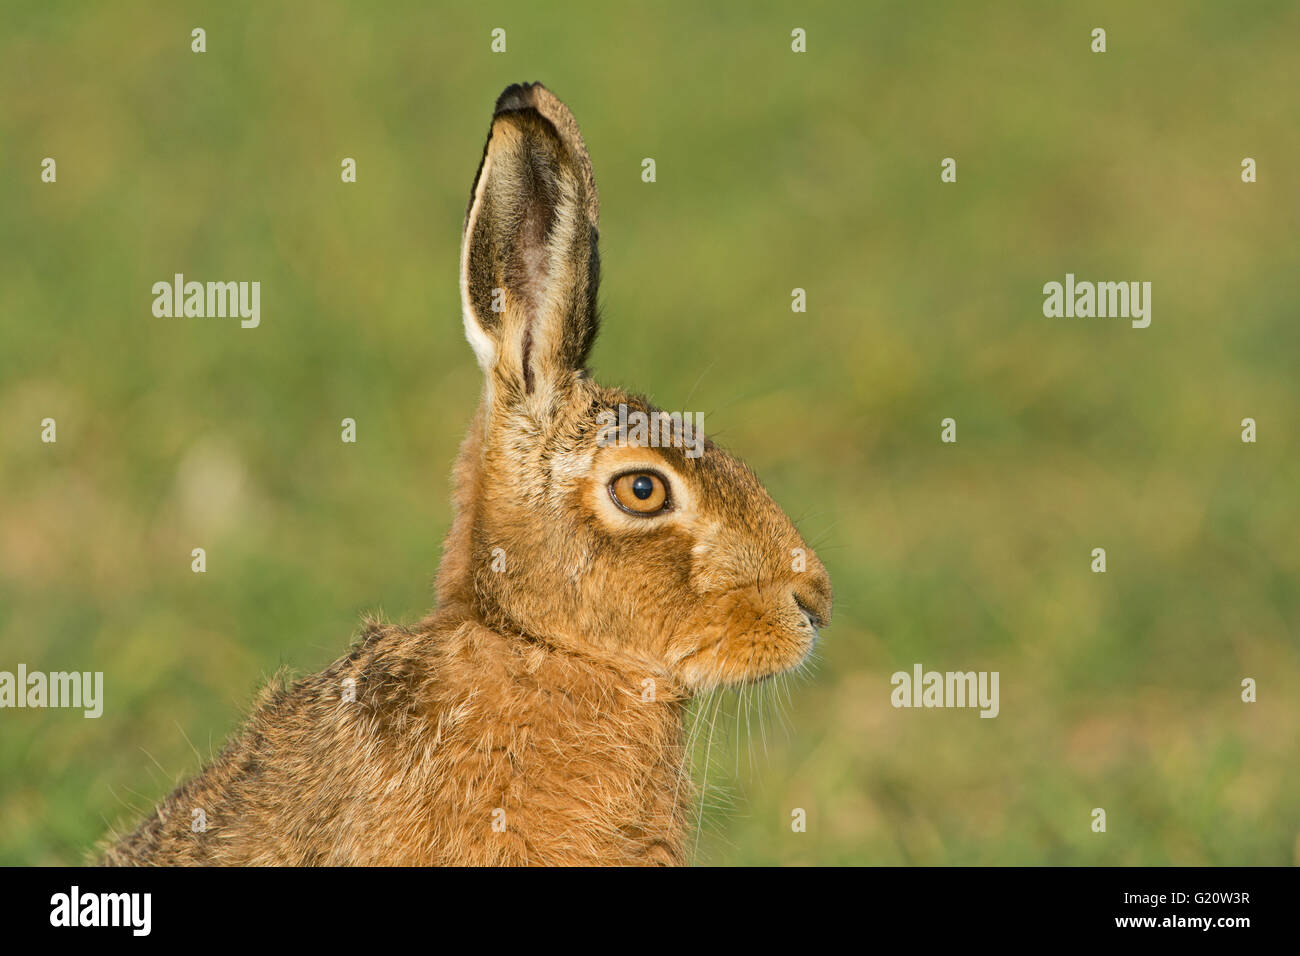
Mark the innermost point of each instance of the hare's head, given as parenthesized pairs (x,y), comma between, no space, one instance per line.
(578,527)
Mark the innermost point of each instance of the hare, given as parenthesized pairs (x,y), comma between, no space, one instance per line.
(590,585)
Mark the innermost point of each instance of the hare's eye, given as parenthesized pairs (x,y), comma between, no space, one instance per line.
(640,492)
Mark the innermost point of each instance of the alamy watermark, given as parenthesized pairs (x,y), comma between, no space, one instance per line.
(56,689)
(130,910)
(638,429)
(923,688)
(1084,300)
(210,300)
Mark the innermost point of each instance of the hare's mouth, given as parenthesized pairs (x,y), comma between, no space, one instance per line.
(749,636)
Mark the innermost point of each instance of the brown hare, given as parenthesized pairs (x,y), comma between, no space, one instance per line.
(590,585)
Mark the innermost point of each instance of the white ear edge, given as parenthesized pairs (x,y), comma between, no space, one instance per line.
(484,349)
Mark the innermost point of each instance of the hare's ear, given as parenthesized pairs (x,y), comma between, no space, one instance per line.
(529,266)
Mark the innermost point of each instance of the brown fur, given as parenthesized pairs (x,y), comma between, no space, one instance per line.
(536,717)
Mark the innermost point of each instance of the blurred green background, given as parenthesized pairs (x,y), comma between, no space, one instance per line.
(776,170)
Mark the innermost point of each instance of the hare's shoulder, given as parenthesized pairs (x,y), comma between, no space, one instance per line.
(389,669)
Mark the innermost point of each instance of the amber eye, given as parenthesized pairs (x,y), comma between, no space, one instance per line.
(640,492)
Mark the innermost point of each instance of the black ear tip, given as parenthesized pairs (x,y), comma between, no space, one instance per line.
(524,98)
(518,96)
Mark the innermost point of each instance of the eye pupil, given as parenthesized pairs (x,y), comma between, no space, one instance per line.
(643,486)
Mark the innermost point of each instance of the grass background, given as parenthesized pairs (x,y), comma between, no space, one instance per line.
(775,170)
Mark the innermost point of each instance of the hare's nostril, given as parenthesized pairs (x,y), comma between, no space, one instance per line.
(809,614)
